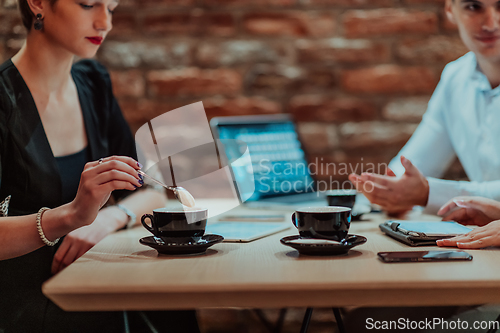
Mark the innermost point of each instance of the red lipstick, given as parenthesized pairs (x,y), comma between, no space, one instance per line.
(95,40)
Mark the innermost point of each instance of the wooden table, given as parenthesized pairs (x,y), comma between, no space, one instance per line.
(121,274)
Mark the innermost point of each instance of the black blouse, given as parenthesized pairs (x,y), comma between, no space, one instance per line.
(29,173)
(70,169)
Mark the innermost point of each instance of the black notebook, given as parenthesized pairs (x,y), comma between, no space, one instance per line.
(422,233)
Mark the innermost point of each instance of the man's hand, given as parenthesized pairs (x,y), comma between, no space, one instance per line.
(478,238)
(394,195)
(79,241)
(471,210)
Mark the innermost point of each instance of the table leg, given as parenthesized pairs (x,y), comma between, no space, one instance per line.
(307,319)
(148,322)
(276,328)
(281,320)
(338,318)
(264,319)
(125,322)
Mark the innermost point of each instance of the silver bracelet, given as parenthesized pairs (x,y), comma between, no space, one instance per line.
(40,230)
(132,218)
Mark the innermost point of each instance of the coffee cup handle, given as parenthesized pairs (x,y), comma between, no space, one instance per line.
(143,221)
(294,221)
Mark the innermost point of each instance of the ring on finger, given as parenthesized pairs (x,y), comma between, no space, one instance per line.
(100,160)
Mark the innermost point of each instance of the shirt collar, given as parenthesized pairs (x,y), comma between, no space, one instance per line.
(480,79)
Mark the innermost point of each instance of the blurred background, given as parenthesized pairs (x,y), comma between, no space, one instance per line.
(355,74)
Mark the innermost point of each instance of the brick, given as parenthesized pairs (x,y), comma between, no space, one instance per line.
(339,165)
(139,111)
(340,50)
(348,3)
(239,52)
(437,2)
(217,24)
(10,3)
(389,79)
(167,54)
(377,133)
(446,24)
(406,109)
(438,49)
(282,80)
(273,80)
(388,22)
(291,23)
(195,22)
(11,23)
(318,79)
(170,23)
(125,4)
(331,110)
(219,106)
(128,83)
(13,46)
(135,112)
(123,24)
(248,3)
(318,137)
(165,3)
(194,82)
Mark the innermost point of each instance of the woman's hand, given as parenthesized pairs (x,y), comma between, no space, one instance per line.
(97,182)
(471,210)
(394,195)
(480,237)
(79,241)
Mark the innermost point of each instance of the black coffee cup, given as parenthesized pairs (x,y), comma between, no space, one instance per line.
(322,222)
(183,225)
(343,198)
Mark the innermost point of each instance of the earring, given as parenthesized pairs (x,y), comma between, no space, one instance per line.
(38,22)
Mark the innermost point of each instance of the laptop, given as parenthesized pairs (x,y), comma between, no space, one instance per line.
(280,171)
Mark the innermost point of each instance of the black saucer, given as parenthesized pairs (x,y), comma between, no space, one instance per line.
(169,246)
(324,249)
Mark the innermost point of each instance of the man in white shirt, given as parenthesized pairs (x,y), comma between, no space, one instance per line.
(462,119)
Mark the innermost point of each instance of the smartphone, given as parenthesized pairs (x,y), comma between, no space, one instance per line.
(423,256)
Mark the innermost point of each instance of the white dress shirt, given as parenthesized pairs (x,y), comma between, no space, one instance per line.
(463,120)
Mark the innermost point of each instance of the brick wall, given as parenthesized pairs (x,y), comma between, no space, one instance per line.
(356,74)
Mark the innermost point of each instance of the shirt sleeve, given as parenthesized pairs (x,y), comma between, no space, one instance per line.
(431,151)
(441,191)
(429,148)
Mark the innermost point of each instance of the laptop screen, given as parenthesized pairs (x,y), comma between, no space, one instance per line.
(278,162)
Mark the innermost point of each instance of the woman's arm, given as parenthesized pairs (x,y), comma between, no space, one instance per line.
(471,210)
(19,235)
(108,220)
